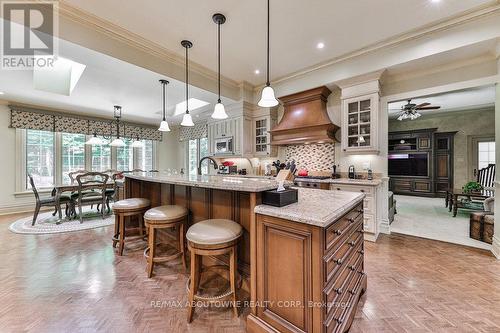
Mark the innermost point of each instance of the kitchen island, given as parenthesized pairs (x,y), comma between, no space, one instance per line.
(302,264)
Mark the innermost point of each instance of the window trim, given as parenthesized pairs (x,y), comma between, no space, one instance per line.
(198,154)
(20,161)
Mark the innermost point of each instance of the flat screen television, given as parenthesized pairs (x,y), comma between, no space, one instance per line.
(411,164)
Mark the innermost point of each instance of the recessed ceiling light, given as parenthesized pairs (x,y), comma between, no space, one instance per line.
(435,1)
(194,104)
(257,72)
(320,45)
(1,93)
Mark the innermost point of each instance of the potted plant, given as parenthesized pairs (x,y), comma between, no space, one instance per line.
(472,187)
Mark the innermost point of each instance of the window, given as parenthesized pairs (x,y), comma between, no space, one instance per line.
(73,154)
(486,154)
(124,157)
(101,156)
(40,157)
(197,149)
(49,157)
(145,156)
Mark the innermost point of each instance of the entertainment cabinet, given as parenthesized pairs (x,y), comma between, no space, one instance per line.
(421,162)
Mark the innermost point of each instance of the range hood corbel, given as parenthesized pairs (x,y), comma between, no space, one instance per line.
(305,119)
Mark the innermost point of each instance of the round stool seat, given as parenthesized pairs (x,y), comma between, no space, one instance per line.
(214,231)
(131,204)
(165,213)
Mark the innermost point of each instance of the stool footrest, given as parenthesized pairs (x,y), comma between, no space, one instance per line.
(218,297)
(173,256)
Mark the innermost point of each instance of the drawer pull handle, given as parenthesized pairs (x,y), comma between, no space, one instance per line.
(352,243)
(339,321)
(338,261)
(361,231)
(337,232)
(352,268)
(350,220)
(361,252)
(363,191)
(338,188)
(338,291)
(360,210)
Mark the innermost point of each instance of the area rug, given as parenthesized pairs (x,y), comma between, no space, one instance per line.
(48,224)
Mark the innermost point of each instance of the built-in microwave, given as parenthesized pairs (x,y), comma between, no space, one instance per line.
(224,146)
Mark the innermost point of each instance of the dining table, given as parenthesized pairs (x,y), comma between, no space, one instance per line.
(72,187)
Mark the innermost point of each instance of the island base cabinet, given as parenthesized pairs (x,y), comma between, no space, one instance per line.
(298,289)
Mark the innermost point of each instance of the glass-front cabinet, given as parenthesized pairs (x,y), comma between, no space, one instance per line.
(262,138)
(360,118)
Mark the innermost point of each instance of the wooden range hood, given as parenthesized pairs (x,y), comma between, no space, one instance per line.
(305,119)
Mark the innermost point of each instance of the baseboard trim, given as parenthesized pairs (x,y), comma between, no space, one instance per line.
(495,247)
(19,208)
(370,237)
(384,227)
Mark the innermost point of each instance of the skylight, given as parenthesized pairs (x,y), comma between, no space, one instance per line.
(61,78)
(194,104)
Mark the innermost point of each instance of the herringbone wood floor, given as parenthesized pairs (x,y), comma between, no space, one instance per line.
(74,283)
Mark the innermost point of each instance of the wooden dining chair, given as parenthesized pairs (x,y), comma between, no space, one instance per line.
(72,175)
(48,202)
(91,190)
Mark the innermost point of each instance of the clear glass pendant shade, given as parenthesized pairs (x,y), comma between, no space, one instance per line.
(267,98)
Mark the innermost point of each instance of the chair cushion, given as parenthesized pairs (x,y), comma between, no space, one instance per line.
(132,203)
(214,231)
(166,213)
(110,191)
(62,199)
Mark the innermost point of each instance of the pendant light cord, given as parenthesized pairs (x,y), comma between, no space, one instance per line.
(187,82)
(164,112)
(218,59)
(268,19)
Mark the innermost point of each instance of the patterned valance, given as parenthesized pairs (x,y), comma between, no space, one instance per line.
(57,122)
(193,132)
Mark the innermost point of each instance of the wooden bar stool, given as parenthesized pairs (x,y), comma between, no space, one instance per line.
(124,208)
(164,217)
(211,238)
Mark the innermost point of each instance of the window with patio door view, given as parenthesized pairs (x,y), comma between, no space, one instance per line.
(486,154)
(50,157)
(40,157)
(197,149)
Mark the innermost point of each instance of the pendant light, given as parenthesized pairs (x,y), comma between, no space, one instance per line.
(137,143)
(118,142)
(267,98)
(219,110)
(186,119)
(164,124)
(94,140)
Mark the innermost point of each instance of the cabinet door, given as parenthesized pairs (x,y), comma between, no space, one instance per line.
(261,135)
(360,121)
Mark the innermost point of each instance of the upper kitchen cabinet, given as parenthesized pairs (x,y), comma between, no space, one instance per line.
(263,121)
(360,114)
(244,134)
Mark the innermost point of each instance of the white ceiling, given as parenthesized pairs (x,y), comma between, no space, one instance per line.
(470,99)
(105,82)
(296,27)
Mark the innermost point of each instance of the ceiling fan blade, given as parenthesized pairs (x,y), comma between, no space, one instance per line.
(428,108)
(422,105)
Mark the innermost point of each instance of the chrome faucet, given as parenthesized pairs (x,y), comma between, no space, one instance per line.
(207,158)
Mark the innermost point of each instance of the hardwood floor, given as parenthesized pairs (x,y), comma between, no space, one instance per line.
(75,283)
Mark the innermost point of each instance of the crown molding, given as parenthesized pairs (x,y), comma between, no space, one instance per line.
(134,40)
(442,25)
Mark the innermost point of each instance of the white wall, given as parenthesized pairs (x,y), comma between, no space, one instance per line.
(171,154)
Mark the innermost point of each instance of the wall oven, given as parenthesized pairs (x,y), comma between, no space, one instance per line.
(224,146)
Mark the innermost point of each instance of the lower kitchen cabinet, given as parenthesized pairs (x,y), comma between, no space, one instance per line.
(370,204)
(309,278)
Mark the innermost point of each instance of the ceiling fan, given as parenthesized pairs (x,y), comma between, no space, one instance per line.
(410,110)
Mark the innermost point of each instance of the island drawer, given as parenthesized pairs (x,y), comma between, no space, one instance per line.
(335,288)
(336,259)
(338,230)
(367,190)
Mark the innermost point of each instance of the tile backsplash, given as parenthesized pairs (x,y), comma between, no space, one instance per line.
(313,157)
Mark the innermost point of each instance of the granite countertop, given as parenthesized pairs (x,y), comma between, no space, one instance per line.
(343,181)
(232,183)
(315,207)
